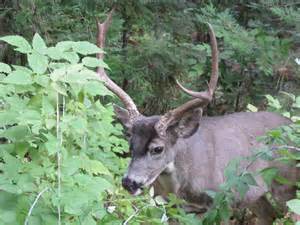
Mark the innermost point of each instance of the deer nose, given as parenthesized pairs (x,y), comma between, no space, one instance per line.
(130,185)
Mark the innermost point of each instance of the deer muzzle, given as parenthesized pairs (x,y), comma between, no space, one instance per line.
(131,186)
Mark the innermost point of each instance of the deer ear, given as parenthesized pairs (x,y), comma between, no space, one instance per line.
(123,115)
(187,125)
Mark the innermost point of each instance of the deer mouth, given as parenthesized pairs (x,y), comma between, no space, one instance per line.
(137,192)
(151,180)
(147,184)
(140,190)
(136,188)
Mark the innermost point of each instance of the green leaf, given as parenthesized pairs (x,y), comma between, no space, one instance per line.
(273,102)
(29,116)
(231,169)
(75,201)
(249,179)
(50,123)
(74,74)
(94,62)
(38,62)
(38,44)
(93,166)
(17,104)
(54,53)
(18,77)
(4,68)
(22,68)
(89,220)
(7,118)
(64,45)
(296,104)
(72,57)
(47,107)
(51,144)
(294,205)
(96,88)
(42,80)
(160,200)
(75,78)
(58,74)
(8,216)
(252,108)
(283,180)
(79,125)
(19,42)
(94,185)
(86,48)
(71,165)
(59,88)
(10,188)
(275,133)
(242,188)
(269,174)
(96,167)
(11,167)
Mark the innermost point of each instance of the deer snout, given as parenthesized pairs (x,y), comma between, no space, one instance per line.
(131,186)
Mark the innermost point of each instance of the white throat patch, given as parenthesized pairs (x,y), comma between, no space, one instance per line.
(170,167)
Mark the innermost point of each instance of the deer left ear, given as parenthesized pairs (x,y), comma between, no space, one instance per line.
(123,116)
(187,125)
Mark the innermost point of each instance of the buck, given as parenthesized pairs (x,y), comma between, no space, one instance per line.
(185,153)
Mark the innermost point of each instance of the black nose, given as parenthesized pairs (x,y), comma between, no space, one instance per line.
(130,185)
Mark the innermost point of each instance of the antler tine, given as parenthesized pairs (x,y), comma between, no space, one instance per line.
(201,98)
(207,95)
(112,86)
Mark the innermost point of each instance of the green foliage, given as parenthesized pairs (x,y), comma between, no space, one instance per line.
(287,104)
(294,205)
(49,110)
(59,142)
(288,142)
(152,42)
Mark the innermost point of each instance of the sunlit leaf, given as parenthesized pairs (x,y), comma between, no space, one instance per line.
(94,62)
(19,42)
(38,62)
(72,57)
(38,44)
(294,205)
(4,68)
(55,53)
(18,77)
(86,48)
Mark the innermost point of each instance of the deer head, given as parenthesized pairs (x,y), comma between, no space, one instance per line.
(152,139)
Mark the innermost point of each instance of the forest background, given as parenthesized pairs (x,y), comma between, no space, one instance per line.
(60,145)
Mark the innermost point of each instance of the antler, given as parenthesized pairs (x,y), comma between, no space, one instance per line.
(201,98)
(112,86)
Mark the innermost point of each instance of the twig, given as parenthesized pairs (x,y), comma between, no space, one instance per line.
(289,147)
(58,154)
(133,215)
(33,204)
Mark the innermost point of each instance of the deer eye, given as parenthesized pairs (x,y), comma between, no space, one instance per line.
(157,150)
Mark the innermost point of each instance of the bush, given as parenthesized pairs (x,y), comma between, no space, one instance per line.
(58,140)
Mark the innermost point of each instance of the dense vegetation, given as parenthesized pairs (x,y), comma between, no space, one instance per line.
(62,154)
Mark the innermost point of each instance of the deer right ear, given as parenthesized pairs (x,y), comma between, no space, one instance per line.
(123,115)
(187,125)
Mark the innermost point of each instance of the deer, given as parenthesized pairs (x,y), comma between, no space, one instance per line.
(185,153)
